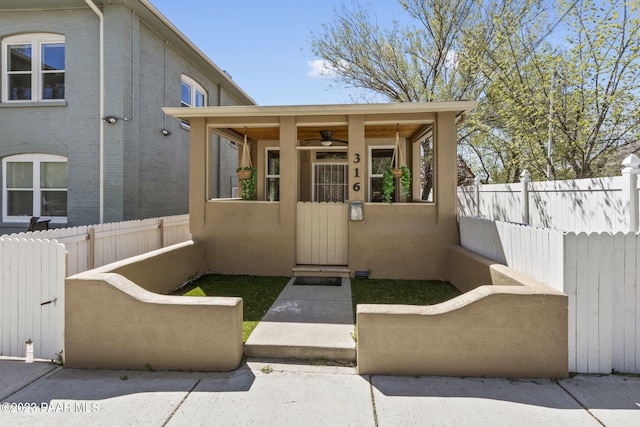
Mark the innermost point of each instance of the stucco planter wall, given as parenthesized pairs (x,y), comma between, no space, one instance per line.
(518,329)
(112,321)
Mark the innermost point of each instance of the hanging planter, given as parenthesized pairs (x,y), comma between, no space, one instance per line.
(397,170)
(247,175)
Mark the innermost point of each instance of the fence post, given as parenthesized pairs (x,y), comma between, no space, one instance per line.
(162,239)
(91,250)
(630,189)
(525,178)
(476,187)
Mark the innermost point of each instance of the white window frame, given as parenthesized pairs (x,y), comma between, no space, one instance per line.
(268,175)
(196,88)
(36,40)
(35,159)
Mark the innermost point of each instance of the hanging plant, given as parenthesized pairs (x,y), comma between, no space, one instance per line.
(405,181)
(397,170)
(248,185)
(247,175)
(388,185)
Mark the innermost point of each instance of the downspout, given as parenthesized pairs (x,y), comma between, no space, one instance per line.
(101,17)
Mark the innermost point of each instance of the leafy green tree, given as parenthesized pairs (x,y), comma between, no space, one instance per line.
(495,51)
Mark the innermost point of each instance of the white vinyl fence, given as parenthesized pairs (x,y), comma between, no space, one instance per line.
(31,297)
(583,205)
(93,246)
(35,264)
(599,272)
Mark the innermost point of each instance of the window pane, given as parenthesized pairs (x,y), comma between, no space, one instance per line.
(53,203)
(20,86)
(199,99)
(273,162)
(20,175)
(53,86)
(380,160)
(186,95)
(331,155)
(273,189)
(53,56)
(20,203)
(426,170)
(376,190)
(20,57)
(53,175)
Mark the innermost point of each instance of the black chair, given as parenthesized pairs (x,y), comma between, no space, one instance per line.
(35,225)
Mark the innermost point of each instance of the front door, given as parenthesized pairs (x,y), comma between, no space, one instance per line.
(322,225)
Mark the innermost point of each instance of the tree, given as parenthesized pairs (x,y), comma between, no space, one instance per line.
(435,60)
(587,88)
(495,51)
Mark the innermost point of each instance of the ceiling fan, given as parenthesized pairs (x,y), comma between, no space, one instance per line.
(325,139)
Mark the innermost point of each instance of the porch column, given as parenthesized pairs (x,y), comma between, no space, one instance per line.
(288,185)
(197,176)
(358,182)
(446,183)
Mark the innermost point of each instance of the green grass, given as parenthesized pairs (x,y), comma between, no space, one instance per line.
(258,293)
(411,292)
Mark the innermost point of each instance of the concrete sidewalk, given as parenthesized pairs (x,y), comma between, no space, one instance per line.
(272,394)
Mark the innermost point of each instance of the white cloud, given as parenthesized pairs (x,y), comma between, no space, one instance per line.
(321,69)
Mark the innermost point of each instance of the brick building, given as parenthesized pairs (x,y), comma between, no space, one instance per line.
(83,138)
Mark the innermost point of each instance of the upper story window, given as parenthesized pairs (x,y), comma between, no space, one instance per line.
(192,95)
(33,67)
(34,185)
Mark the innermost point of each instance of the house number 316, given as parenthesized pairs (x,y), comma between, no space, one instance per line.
(356,185)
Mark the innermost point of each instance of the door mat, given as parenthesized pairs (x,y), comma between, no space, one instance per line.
(318,281)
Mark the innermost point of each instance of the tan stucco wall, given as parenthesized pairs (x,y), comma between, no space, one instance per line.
(111,322)
(163,270)
(404,241)
(514,330)
(249,238)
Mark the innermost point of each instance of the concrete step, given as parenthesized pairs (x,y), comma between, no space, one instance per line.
(312,342)
(321,271)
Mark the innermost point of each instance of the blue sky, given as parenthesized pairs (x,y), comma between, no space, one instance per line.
(265,45)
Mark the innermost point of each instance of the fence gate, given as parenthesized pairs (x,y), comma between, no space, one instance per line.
(322,233)
(31,297)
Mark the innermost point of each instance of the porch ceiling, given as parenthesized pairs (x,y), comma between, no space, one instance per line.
(339,132)
(381,120)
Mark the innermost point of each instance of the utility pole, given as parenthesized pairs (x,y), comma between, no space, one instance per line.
(550,140)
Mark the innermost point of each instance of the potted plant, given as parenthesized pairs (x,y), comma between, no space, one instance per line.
(248,184)
(247,175)
(389,182)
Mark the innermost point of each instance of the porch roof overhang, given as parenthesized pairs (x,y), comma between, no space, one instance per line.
(381,120)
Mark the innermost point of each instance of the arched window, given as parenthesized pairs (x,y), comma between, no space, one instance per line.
(193,95)
(33,67)
(34,185)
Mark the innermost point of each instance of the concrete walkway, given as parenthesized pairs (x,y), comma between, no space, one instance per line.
(40,394)
(311,322)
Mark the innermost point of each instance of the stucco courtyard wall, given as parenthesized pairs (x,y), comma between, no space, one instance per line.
(506,325)
(116,320)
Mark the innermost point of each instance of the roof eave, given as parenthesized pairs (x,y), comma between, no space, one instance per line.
(458,107)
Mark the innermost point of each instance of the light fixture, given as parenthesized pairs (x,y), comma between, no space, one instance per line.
(166,132)
(326,143)
(110,119)
(356,210)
